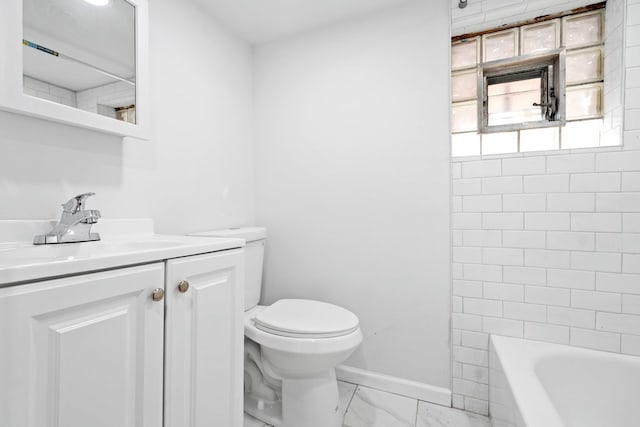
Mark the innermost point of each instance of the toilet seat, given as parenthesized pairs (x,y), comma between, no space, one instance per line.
(299,318)
(301,344)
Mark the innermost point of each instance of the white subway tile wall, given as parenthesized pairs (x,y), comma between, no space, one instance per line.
(113,94)
(44,90)
(548,244)
(118,93)
(480,15)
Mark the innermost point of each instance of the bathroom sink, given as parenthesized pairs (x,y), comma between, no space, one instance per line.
(136,245)
(20,262)
(71,251)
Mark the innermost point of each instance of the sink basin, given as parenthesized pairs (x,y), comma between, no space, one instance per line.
(71,251)
(21,262)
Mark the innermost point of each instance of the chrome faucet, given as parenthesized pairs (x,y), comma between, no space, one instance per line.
(74,225)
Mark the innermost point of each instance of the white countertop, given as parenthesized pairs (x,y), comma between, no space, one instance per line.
(21,261)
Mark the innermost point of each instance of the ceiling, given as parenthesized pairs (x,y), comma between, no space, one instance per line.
(261,21)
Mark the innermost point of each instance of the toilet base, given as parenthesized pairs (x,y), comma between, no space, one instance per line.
(308,402)
(311,402)
(267,412)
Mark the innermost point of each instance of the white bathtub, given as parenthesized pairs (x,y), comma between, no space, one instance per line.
(535,384)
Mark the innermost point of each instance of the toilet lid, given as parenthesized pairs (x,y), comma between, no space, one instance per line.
(306,319)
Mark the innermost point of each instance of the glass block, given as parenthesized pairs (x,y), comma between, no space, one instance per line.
(500,45)
(582,134)
(584,101)
(464,53)
(584,65)
(582,30)
(464,116)
(540,139)
(465,144)
(464,86)
(540,37)
(513,102)
(500,143)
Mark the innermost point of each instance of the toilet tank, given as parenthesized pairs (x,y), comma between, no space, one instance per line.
(253,258)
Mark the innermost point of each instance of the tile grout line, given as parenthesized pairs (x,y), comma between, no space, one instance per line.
(350,400)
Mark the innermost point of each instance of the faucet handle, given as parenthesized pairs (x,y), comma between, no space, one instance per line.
(76,203)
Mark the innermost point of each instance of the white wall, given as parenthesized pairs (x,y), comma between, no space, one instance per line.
(194,173)
(352,180)
(202,111)
(546,245)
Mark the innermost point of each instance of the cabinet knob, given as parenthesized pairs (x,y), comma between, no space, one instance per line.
(183,286)
(158,294)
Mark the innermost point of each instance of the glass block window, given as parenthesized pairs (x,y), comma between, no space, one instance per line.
(508,102)
(465,53)
(586,29)
(539,38)
(500,45)
(464,85)
(585,65)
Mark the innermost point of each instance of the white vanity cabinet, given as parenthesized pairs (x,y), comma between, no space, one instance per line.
(204,340)
(83,351)
(97,349)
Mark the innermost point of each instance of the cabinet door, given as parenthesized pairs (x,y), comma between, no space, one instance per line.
(83,351)
(204,341)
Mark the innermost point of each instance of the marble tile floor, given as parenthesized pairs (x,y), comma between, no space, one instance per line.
(367,407)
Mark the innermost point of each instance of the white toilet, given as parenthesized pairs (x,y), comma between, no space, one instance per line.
(291,349)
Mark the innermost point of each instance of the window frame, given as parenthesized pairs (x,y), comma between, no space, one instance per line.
(510,68)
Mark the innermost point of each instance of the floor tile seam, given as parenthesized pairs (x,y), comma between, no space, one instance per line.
(350,400)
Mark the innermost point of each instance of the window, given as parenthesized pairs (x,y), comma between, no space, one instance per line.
(533,86)
(524,93)
(126,114)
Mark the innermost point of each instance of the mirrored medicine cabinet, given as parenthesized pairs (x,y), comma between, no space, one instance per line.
(79,62)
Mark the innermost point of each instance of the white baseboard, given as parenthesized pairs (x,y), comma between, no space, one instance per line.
(413,389)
